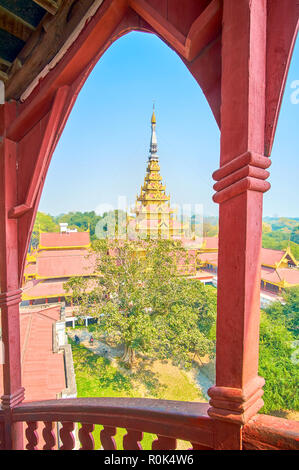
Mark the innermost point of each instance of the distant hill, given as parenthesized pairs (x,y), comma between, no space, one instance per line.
(282,223)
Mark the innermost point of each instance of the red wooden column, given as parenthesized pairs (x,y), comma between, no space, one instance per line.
(10,295)
(240,187)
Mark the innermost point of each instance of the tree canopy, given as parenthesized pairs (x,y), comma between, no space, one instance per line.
(287,312)
(45,223)
(141,301)
(279,352)
(278,364)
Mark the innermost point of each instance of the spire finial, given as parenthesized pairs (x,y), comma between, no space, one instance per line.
(153,115)
(153,144)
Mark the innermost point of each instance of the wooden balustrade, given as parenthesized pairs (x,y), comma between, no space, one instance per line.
(169,421)
(49,436)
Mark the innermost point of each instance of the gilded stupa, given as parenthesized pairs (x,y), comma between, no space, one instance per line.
(154,216)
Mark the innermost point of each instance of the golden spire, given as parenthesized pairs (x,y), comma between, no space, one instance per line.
(153,121)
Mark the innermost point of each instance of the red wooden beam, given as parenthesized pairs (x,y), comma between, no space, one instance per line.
(204,29)
(241,183)
(86,50)
(44,152)
(160,24)
(282,30)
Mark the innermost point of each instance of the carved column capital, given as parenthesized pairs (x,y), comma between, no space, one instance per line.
(236,405)
(10,298)
(10,401)
(243,173)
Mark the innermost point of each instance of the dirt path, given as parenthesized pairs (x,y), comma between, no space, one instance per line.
(98,347)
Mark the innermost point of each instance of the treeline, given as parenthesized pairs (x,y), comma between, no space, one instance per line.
(279,233)
(81,221)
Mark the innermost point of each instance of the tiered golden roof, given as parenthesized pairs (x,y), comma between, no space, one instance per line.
(154,216)
(153,191)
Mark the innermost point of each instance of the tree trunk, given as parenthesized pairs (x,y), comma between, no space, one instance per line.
(129,355)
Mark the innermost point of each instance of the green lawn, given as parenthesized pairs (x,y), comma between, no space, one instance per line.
(97,377)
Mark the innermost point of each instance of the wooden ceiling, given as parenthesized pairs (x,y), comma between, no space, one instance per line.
(19,19)
(31,33)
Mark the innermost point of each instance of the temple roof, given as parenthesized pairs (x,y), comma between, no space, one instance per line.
(271,257)
(210,243)
(43,374)
(65,263)
(210,258)
(69,239)
(43,289)
(281,275)
(274,257)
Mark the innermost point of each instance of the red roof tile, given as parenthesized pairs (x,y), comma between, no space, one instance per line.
(270,275)
(65,263)
(43,375)
(289,275)
(30,268)
(210,243)
(64,239)
(43,289)
(271,257)
(210,258)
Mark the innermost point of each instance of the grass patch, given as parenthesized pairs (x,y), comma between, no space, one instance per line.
(96,376)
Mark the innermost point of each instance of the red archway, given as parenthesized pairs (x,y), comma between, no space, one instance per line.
(239,53)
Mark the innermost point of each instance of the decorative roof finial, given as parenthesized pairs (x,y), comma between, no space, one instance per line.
(153,145)
(153,115)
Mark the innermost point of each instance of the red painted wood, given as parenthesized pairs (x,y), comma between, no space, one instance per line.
(49,436)
(282,29)
(242,73)
(46,145)
(66,435)
(86,437)
(204,29)
(2,438)
(131,440)
(237,395)
(265,432)
(10,295)
(196,446)
(164,443)
(179,420)
(182,420)
(31,435)
(107,439)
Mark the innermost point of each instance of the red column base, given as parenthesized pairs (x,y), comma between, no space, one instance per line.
(236,405)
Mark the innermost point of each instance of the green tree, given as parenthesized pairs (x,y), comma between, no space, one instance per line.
(266,227)
(210,230)
(295,235)
(81,220)
(278,365)
(287,312)
(45,223)
(291,309)
(280,241)
(142,303)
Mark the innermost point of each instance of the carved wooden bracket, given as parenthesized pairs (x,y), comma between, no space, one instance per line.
(246,172)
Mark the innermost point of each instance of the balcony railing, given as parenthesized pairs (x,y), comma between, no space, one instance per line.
(169,420)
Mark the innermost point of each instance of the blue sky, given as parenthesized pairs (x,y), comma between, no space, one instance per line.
(103,150)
